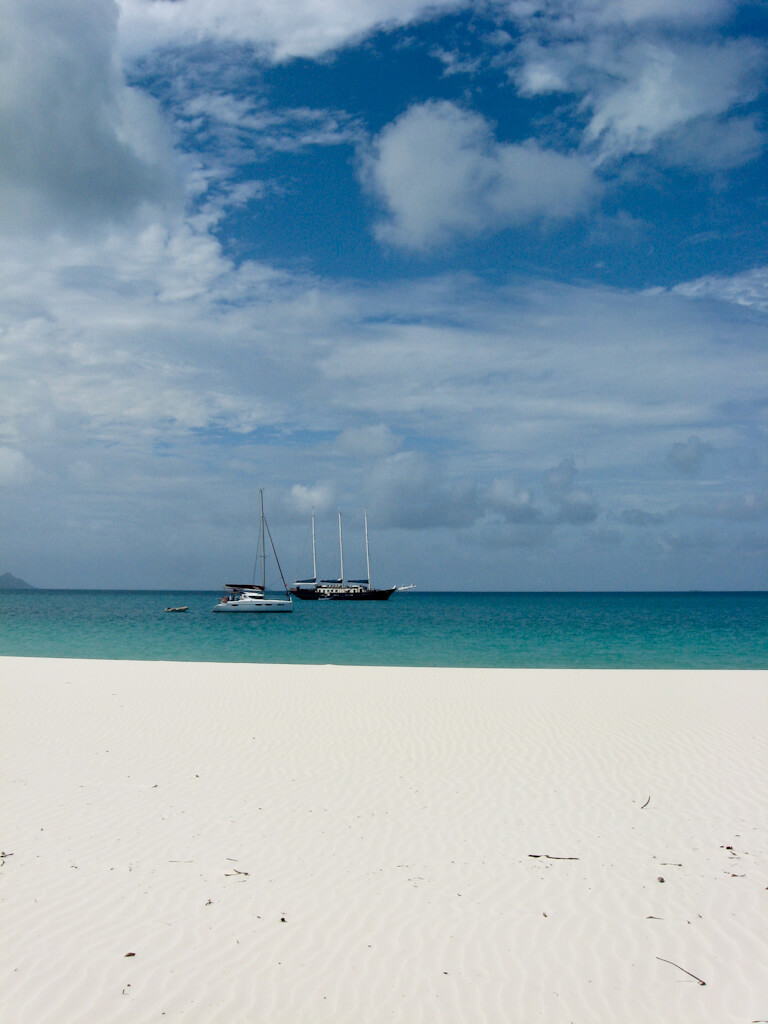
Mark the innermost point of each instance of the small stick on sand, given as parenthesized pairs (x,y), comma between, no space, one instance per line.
(645,804)
(550,856)
(682,969)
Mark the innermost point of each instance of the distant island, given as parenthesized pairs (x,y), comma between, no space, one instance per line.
(10,582)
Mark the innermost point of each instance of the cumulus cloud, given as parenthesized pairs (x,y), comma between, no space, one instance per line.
(515,504)
(687,457)
(440,172)
(80,147)
(319,497)
(575,505)
(146,379)
(410,490)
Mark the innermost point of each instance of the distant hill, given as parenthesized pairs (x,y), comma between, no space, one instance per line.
(10,582)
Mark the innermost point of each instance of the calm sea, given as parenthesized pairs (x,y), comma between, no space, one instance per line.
(690,630)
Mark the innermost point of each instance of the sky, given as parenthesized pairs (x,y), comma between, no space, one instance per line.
(493,270)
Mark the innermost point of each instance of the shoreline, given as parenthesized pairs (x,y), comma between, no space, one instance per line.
(281,844)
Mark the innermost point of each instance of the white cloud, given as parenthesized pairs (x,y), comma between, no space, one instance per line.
(244,125)
(151,381)
(302,28)
(440,173)
(454,64)
(518,369)
(154,383)
(663,87)
(14,467)
(368,441)
(714,143)
(158,330)
(540,74)
(410,490)
(646,85)
(747,289)
(317,498)
(573,17)
(80,148)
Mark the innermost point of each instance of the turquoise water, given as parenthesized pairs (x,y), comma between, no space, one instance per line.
(691,630)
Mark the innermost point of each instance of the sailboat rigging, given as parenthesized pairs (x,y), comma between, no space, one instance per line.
(251,597)
(341,589)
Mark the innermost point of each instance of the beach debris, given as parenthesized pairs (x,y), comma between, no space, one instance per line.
(551,856)
(130,954)
(645,804)
(695,978)
(234,871)
(660,878)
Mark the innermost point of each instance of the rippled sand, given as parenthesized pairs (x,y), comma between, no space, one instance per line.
(281,845)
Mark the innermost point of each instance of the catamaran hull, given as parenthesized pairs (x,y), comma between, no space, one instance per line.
(321,595)
(254,606)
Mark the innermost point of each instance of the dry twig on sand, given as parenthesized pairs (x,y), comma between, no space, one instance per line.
(550,856)
(682,969)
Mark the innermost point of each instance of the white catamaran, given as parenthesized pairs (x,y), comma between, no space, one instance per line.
(341,589)
(251,597)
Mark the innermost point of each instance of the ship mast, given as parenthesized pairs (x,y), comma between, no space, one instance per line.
(341,549)
(314,553)
(367,552)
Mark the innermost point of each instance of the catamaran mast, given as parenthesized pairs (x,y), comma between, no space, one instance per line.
(261,541)
(341,549)
(367,552)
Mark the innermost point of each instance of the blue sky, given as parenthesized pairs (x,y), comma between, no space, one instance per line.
(495,271)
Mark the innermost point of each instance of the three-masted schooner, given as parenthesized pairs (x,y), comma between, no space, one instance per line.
(341,589)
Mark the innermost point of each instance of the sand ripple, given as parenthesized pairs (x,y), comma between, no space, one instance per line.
(282,845)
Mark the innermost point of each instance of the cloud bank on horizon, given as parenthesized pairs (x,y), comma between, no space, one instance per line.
(495,270)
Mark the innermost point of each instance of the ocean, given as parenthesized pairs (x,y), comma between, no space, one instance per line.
(493,630)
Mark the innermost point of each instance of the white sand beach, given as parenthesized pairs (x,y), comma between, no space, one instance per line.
(321,845)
